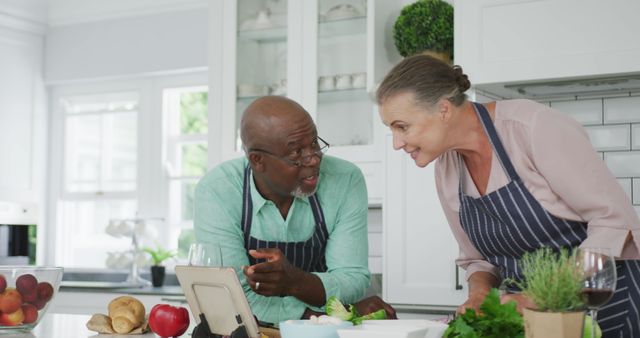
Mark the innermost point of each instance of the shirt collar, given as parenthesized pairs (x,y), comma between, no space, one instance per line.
(259,201)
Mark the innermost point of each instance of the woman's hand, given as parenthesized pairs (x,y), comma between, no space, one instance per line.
(521,300)
(473,302)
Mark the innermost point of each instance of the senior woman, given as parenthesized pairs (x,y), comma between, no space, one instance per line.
(512,176)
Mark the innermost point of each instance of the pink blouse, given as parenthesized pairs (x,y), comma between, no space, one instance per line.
(553,156)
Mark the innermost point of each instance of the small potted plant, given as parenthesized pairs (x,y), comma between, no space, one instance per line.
(553,281)
(425,26)
(158,256)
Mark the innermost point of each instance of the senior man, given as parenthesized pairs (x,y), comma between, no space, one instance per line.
(292,221)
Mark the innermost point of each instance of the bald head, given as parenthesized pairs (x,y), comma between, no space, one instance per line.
(270,119)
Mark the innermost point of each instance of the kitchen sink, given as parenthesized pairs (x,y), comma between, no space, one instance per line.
(106,279)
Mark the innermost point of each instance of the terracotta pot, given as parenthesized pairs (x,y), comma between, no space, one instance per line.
(446,57)
(157,275)
(539,324)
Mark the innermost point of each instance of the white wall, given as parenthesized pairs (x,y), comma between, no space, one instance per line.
(127,46)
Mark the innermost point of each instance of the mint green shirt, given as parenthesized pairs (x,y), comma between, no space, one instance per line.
(343,196)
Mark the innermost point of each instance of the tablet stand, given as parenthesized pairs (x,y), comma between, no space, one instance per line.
(203,330)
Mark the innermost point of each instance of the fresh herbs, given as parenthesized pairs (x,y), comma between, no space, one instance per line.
(494,320)
(336,309)
(159,255)
(552,280)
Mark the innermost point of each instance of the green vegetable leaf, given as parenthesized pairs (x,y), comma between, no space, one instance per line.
(336,309)
(380,314)
(494,320)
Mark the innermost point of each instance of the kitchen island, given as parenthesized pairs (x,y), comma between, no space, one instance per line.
(71,326)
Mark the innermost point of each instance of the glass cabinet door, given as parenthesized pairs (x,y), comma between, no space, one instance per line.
(261,67)
(344,108)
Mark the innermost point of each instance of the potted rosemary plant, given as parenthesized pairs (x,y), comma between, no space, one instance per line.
(553,281)
(425,26)
(158,256)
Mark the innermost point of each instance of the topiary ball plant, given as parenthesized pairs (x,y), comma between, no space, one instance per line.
(424,25)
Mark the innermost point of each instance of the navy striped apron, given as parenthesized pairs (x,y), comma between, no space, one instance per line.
(508,222)
(306,255)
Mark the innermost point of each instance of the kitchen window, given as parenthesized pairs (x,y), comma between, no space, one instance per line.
(126,149)
(99,174)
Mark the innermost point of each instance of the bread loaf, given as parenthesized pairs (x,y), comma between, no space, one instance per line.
(127,313)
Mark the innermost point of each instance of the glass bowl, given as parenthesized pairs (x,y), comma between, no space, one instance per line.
(26,292)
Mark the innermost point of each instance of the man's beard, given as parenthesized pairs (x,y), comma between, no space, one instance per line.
(298,193)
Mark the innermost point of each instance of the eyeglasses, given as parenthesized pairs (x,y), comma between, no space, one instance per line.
(296,159)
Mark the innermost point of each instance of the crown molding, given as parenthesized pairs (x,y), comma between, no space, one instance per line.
(68,12)
(18,23)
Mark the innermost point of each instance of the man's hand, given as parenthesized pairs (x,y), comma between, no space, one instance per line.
(373,304)
(275,277)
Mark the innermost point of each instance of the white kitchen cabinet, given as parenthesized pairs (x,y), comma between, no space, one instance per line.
(22,114)
(505,44)
(325,54)
(419,248)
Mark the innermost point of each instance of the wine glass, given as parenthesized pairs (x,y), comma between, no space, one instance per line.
(205,254)
(599,271)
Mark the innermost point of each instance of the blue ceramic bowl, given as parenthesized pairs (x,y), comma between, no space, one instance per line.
(305,329)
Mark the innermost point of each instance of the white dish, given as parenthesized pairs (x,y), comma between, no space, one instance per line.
(343,11)
(401,328)
(248,89)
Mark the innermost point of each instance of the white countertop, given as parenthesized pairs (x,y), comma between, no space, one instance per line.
(72,326)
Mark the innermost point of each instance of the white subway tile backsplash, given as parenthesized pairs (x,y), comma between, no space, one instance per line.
(610,137)
(622,109)
(635,136)
(625,183)
(636,191)
(623,164)
(587,112)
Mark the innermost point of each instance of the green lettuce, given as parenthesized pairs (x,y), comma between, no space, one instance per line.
(336,309)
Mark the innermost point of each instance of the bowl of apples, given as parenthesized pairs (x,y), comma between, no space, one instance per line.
(25,293)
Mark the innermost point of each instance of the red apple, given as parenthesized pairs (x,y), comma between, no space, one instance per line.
(39,304)
(3,283)
(30,297)
(30,313)
(10,300)
(45,291)
(12,319)
(26,283)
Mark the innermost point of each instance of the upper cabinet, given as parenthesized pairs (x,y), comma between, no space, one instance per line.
(527,44)
(22,107)
(325,54)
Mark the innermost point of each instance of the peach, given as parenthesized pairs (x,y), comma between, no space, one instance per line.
(26,283)
(30,313)
(12,319)
(10,300)
(3,283)
(45,291)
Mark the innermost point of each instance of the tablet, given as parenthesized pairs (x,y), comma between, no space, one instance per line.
(216,292)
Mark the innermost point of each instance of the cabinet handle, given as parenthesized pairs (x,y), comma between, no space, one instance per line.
(458,285)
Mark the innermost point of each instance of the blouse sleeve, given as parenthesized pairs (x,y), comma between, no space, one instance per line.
(564,156)
(469,258)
